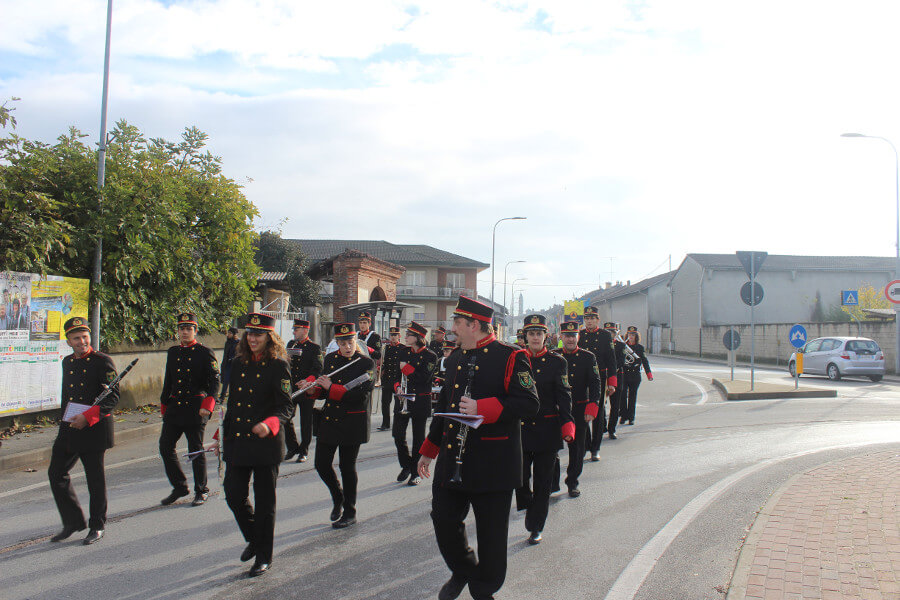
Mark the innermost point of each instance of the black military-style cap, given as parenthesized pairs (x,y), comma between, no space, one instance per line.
(610,325)
(448,346)
(632,328)
(473,309)
(187,319)
(344,330)
(394,331)
(302,323)
(76,324)
(365,316)
(416,329)
(569,327)
(441,329)
(260,322)
(538,322)
(520,333)
(591,311)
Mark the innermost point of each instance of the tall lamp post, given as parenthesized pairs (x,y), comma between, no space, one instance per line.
(897,265)
(494,248)
(504,278)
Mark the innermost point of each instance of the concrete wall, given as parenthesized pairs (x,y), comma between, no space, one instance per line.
(686,307)
(629,310)
(658,307)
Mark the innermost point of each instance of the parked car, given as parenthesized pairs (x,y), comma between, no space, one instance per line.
(838,357)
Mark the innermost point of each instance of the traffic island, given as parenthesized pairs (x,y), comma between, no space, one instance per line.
(740,390)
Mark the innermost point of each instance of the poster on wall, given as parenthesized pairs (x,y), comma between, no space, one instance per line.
(32,345)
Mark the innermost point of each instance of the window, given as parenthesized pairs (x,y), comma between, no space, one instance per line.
(419,316)
(813,346)
(829,345)
(456,280)
(411,278)
(862,346)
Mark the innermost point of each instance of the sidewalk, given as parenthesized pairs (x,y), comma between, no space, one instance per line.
(830,533)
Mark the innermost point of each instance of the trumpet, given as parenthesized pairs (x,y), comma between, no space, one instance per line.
(403,395)
(631,356)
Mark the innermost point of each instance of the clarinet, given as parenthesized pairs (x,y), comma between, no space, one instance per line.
(463,434)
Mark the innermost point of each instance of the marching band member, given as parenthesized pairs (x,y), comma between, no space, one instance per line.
(306,365)
(477,468)
(188,398)
(417,366)
(436,344)
(600,343)
(616,399)
(259,405)
(392,354)
(632,373)
(544,433)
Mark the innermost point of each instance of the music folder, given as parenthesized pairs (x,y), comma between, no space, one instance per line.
(73,409)
(473,421)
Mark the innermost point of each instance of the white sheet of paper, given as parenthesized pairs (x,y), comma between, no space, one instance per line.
(473,421)
(73,409)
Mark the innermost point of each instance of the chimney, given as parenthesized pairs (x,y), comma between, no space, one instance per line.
(608,285)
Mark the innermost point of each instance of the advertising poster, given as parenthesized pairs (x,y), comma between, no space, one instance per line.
(32,345)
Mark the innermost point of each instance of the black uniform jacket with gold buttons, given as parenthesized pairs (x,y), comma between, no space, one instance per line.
(260,392)
(191,382)
(392,355)
(436,347)
(420,366)
(544,431)
(82,381)
(310,362)
(345,416)
(600,342)
(619,350)
(584,381)
(633,371)
(373,341)
(504,388)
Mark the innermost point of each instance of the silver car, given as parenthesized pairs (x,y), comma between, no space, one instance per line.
(838,357)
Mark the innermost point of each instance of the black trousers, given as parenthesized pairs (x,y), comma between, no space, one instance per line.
(168,437)
(61,462)
(305,412)
(448,513)
(576,452)
(387,399)
(631,388)
(226,379)
(347,464)
(257,526)
(616,404)
(409,460)
(536,501)
(598,425)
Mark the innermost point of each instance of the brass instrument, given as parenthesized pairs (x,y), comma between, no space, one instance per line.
(631,356)
(403,395)
(463,434)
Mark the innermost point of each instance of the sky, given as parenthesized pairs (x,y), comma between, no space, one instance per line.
(628,133)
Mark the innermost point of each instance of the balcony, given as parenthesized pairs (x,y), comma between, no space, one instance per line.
(433,292)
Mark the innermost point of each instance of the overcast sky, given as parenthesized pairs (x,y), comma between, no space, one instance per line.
(634,130)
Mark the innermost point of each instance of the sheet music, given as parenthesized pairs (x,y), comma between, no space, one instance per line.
(73,409)
(473,421)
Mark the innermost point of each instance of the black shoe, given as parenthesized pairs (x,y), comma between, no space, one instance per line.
(248,553)
(414,480)
(175,495)
(66,533)
(453,588)
(621,421)
(535,538)
(302,458)
(612,435)
(406,472)
(574,492)
(291,454)
(93,537)
(384,428)
(200,498)
(595,457)
(631,421)
(336,511)
(343,522)
(259,568)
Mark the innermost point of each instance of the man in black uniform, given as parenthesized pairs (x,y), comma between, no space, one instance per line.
(87,437)
(392,355)
(306,364)
(441,373)
(488,378)
(187,400)
(616,399)
(436,344)
(543,434)
(418,366)
(520,338)
(584,379)
(600,343)
(632,374)
(231,343)
(369,337)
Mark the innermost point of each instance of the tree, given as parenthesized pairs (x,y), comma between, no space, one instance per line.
(273,253)
(177,234)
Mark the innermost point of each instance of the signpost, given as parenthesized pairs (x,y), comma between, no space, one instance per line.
(732,341)
(797,337)
(752,262)
(850,298)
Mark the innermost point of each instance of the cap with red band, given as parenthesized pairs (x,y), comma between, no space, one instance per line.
(473,309)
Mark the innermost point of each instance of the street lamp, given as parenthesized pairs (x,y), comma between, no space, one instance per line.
(897,265)
(504,277)
(512,302)
(494,247)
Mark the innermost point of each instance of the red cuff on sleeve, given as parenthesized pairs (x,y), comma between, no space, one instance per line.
(273,424)
(408,370)
(92,415)
(209,403)
(371,349)
(592,409)
(613,381)
(336,391)
(397,387)
(490,409)
(428,449)
(568,430)
(162,410)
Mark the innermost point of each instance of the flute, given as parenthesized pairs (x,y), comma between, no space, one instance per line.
(312,385)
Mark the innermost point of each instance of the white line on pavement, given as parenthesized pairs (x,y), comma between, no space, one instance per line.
(703,395)
(36,486)
(632,578)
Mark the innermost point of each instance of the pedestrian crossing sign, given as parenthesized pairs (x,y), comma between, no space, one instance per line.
(850,298)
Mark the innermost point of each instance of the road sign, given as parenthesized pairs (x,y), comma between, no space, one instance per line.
(892,291)
(797,336)
(757,296)
(752,261)
(732,339)
(849,297)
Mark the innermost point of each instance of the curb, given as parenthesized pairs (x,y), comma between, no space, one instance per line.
(41,456)
(772,395)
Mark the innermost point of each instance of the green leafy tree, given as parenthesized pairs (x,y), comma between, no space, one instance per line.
(869,297)
(273,253)
(177,234)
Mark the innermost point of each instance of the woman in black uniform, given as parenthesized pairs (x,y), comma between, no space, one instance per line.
(253,436)
(632,372)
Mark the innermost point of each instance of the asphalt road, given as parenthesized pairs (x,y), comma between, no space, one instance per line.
(661,517)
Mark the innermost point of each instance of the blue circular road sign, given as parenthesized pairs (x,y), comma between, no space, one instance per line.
(797,336)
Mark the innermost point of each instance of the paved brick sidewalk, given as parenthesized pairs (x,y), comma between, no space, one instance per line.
(830,533)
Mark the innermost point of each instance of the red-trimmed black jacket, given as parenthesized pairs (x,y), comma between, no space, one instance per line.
(544,432)
(82,381)
(191,382)
(419,370)
(584,380)
(600,343)
(345,417)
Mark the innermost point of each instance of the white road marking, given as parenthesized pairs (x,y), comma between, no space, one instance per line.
(703,395)
(630,580)
(36,486)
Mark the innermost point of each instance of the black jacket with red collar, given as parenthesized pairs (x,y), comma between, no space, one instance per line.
(191,382)
(420,366)
(584,379)
(82,381)
(544,432)
(600,343)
